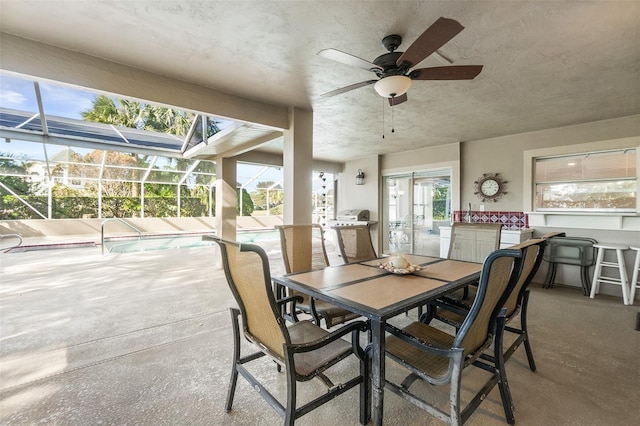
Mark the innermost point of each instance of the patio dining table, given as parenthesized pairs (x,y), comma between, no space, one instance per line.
(377,294)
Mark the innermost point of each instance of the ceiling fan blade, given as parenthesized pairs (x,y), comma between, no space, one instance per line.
(347,59)
(396,100)
(431,40)
(454,72)
(348,88)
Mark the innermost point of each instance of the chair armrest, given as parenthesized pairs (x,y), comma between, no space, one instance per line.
(421,344)
(356,326)
(293,300)
(457,306)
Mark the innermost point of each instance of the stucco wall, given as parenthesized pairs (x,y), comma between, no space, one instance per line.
(506,155)
(352,196)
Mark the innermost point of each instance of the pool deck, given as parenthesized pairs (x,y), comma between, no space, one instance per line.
(145,339)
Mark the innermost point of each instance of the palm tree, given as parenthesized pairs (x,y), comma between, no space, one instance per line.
(133,114)
(127,114)
(167,120)
(104,110)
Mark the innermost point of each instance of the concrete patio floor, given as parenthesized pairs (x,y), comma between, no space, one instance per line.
(145,339)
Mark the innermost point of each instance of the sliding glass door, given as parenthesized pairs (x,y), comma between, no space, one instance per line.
(415,205)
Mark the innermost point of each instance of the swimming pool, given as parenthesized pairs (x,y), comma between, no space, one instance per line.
(160,242)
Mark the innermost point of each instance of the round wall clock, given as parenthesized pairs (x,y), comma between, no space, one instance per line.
(490,187)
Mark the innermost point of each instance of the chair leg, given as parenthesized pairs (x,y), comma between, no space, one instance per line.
(585,280)
(236,359)
(551,276)
(523,326)
(465,293)
(290,412)
(454,390)
(427,316)
(232,388)
(503,384)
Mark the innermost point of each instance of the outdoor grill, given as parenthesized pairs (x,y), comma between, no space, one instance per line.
(351,217)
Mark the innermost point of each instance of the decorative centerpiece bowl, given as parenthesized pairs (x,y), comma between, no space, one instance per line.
(400,266)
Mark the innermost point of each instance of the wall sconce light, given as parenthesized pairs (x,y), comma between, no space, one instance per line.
(360,177)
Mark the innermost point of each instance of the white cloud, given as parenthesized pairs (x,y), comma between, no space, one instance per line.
(11,99)
(65,101)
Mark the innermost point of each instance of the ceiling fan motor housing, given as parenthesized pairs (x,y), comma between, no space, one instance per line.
(388,61)
(388,64)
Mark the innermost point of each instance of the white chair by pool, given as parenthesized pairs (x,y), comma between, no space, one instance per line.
(598,276)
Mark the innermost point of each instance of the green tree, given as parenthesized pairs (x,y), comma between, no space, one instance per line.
(259,196)
(167,120)
(16,178)
(440,202)
(127,113)
(247,202)
(17,174)
(136,115)
(133,114)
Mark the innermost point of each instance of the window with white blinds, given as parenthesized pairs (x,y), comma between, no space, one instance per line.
(595,181)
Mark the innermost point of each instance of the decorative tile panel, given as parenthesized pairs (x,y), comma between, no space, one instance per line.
(510,220)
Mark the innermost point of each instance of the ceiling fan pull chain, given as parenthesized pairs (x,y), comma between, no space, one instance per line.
(393,126)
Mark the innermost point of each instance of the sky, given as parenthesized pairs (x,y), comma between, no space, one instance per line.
(61,101)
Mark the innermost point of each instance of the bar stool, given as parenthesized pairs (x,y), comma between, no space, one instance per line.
(620,264)
(634,279)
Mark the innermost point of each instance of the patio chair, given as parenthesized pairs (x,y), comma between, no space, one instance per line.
(300,253)
(439,358)
(453,312)
(470,242)
(304,349)
(354,242)
(576,251)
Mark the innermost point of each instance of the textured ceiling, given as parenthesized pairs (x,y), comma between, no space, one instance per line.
(546,63)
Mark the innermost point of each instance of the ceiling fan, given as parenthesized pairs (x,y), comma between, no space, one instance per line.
(395,70)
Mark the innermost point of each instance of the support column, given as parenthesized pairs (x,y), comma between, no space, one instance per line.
(226,198)
(298,167)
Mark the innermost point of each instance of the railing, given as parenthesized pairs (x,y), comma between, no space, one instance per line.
(104,222)
(18,236)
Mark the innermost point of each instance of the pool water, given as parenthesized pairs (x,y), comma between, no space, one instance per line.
(178,242)
(257,236)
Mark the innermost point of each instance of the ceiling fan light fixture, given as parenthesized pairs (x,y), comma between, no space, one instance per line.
(392,86)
